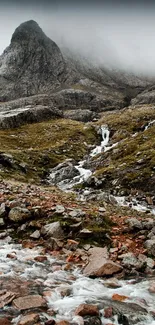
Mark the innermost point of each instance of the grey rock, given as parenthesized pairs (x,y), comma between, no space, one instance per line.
(18,214)
(35,234)
(63,171)
(20,116)
(150,245)
(134,224)
(77,213)
(2,223)
(59,209)
(31,64)
(52,230)
(148,224)
(83,115)
(130,260)
(2,210)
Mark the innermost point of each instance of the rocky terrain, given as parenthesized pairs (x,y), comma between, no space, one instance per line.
(77,204)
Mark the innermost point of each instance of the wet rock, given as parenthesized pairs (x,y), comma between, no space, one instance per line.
(151,288)
(5,321)
(3,234)
(28,302)
(6,297)
(18,214)
(30,319)
(35,234)
(63,171)
(40,258)
(92,320)
(50,322)
(63,322)
(118,297)
(99,264)
(134,224)
(84,310)
(108,312)
(150,246)
(53,230)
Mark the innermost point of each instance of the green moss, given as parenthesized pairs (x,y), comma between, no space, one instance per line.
(43,145)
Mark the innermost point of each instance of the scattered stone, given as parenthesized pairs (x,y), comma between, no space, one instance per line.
(28,302)
(30,319)
(63,322)
(5,321)
(18,214)
(101,209)
(77,213)
(152,287)
(108,312)
(6,297)
(84,310)
(150,246)
(134,224)
(85,233)
(40,258)
(53,230)
(92,320)
(59,209)
(118,297)
(54,244)
(99,264)
(35,234)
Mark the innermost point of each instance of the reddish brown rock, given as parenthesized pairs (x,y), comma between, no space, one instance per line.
(6,297)
(152,288)
(40,258)
(28,302)
(30,319)
(99,265)
(118,297)
(5,321)
(84,310)
(63,322)
(108,312)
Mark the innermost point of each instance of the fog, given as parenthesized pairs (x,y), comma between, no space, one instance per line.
(117,37)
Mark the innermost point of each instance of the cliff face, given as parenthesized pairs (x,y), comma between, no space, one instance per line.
(31,64)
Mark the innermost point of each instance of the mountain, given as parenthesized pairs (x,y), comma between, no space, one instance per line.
(31,64)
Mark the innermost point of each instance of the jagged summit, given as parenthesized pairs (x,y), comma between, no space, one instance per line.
(32,64)
(28,30)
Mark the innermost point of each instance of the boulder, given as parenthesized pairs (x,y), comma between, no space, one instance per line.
(29,319)
(29,302)
(5,321)
(150,246)
(63,171)
(85,309)
(92,320)
(35,234)
(53,230)
(18,214)
(99,265)
(134,224)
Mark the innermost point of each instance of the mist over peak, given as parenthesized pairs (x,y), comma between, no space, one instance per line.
(115,36)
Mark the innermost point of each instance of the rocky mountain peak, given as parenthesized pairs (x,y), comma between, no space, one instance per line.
(26,31)
(32,64)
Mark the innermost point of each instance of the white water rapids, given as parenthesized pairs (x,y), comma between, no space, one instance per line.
(51,277)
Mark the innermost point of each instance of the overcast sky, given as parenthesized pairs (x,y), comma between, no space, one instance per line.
(118,33)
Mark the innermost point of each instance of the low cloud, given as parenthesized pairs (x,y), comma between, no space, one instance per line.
(115,37)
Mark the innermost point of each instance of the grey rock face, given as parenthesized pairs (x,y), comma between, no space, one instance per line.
(20,116)
(32,64)
(19,214)
(53,230)
(63,171)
